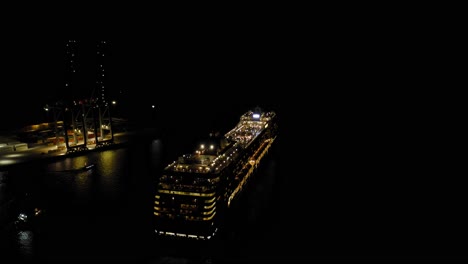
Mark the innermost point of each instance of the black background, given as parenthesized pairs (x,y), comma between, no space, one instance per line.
(360,151)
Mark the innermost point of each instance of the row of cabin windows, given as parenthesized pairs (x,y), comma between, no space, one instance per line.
(187,217)
(187,188)
(192,207)
(179,179)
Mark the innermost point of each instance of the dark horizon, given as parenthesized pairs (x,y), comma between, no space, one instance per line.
(141,75)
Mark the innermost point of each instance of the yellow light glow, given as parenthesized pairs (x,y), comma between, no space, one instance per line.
(6,162)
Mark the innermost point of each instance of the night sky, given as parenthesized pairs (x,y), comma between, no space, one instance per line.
(209,74)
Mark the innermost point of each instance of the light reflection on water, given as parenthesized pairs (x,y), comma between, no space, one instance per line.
(107,175)
(82,184)
(156,150)
(25,241)
(111,168)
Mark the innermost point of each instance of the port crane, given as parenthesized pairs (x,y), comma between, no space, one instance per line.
(81,123)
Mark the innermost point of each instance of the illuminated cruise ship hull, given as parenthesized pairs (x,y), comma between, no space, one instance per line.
(194,193)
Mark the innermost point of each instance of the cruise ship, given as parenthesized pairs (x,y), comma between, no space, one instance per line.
(194,192)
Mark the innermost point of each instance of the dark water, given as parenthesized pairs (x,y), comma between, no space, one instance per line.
(331,203)
(105,214)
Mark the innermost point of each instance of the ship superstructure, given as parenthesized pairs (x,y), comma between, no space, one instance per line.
(195,190)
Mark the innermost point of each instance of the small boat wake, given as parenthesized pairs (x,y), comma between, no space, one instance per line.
(86,167)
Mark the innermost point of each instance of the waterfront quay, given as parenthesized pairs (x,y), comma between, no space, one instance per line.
(15,157)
